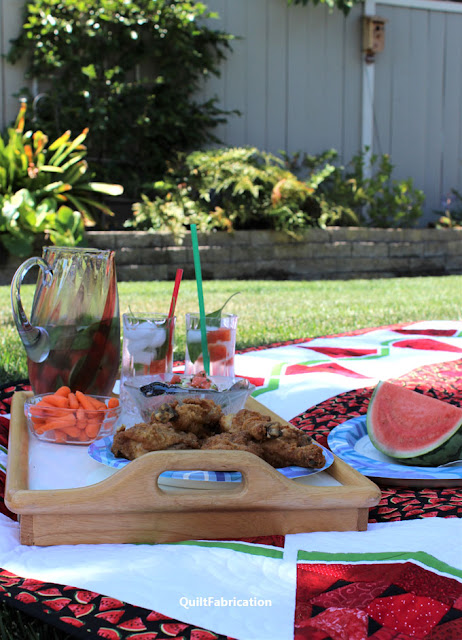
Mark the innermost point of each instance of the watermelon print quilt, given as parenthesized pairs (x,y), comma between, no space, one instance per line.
(393,582)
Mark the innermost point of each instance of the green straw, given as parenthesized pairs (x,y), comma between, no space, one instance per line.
(200,295)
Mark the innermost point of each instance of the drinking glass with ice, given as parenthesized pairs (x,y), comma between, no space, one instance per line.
(147,347)
(221,343)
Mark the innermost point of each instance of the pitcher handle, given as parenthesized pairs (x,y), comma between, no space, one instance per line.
(35,339)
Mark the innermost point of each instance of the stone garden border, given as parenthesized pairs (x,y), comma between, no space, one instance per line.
(318,254)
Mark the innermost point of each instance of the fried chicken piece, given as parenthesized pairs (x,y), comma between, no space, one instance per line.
(165,413)
(199,423)
(154,436)
(260,427)
(234,441)
(279,445)
(199,416)
(277,451)
(283,453)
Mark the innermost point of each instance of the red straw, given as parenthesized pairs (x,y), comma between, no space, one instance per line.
(171,313)
(179,275)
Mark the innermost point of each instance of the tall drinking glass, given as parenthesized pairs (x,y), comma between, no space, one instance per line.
(147,348)
(221,342)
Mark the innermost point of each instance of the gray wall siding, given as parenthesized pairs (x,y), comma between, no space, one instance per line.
(309,95)
(418,99)
(296,76)
(11,77)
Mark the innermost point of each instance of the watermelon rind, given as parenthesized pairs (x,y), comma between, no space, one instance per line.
(398,418)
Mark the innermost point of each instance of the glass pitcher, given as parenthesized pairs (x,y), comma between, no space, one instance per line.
(73,337)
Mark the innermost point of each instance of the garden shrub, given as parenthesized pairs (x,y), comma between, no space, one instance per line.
(129,70)
(451,215)
(244,188)
(235,188)
(46,192)
(376,201)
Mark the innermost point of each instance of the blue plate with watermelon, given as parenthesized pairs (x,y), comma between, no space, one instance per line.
(100,450)
(350,442)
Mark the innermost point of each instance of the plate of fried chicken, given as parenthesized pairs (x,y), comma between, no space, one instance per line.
(199,423)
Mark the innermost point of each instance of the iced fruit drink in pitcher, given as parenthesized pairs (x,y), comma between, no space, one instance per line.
(73,337)
(221,343)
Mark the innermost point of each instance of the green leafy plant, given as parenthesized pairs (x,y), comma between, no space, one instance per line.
(244,188)
(129,70)
(231,189)
(375,201)
(451,216)
(44,189)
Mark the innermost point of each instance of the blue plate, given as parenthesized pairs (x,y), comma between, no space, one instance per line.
(350,442)
(100,450)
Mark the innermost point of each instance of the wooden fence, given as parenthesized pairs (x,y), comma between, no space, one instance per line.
(300,79)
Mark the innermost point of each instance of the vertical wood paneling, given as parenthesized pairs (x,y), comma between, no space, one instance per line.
(400,29)
(256,74)
(214,86)
(351,97)
(302,79)
(331,63)
(414,163)
(296,73)
(452,109)
(237,72)
(11,77)
(434,123)
(383,87)
(277,86)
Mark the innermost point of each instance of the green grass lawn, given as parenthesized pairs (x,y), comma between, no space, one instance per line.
(268,312)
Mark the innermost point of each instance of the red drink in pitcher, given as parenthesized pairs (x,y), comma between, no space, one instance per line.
(73,337)
(83,358)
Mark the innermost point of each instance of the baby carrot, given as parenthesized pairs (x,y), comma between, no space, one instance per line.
(92,428)
(57,424)
(73,402)
(47,411)
(72,416)
(55,401)
(81,418)
(83,435)
(74,432)
(62,391)
(60,436)
(84,401)
(98,404)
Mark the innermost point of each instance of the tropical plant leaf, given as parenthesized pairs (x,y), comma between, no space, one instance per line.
(32,197)
(108,189)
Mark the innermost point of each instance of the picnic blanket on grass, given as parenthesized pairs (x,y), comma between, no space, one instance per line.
(394,581)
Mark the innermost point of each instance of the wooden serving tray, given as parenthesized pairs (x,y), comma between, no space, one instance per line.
(130,507)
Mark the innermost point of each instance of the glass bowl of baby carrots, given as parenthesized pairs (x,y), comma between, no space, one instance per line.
(67,417)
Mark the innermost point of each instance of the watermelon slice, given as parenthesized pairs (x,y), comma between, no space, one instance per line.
(413,428)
